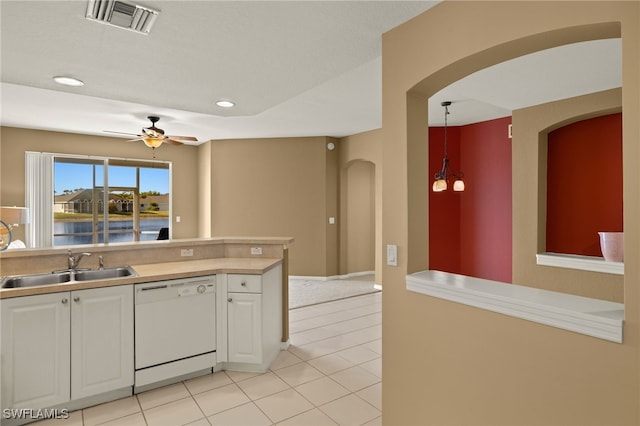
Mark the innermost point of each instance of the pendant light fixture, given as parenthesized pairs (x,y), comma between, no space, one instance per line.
(442,177)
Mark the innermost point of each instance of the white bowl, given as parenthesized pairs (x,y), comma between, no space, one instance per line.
(612,246)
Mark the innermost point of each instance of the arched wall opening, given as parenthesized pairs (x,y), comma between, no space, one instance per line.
(359,213)
(447,75)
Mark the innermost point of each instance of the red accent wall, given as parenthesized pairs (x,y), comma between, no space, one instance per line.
(470,232)
(584,184)
(444,207)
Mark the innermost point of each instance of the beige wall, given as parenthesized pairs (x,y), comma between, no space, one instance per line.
(446,363)
(363,147)
(184,169)
(278,187)
(263,187)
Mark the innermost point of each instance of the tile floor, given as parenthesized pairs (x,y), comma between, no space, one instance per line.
(331,374)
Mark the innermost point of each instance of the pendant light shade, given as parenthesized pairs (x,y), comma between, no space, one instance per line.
(442,177)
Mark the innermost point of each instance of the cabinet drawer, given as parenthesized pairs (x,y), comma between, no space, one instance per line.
(239,283)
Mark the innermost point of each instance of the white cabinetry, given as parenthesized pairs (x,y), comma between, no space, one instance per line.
(101,340)
(245,326)
(35,351)
(254,320)
(66,346)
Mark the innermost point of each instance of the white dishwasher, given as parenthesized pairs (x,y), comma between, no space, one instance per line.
(175,329)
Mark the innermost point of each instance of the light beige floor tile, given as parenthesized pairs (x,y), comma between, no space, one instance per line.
(303,313)
(322,390)
(374,366)
(282,405)
(74,419)
(357,354)
(299,373)
(298,340)
(284,359)
(318,334)
(136,419)
(244,415)
(330,364)
(313,417)
(208,382)
(220,399)
(375,422)
(372,394)
(238,376)
(375,346)
(350,410)
(110,411)
(162,395)
(263,385)
(355,378)
(200,422)
(174,413)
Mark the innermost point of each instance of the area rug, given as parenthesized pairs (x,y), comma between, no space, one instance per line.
(304,292)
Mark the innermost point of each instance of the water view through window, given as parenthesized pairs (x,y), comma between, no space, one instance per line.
(99,200)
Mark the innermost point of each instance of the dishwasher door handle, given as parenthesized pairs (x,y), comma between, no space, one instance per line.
(157,287)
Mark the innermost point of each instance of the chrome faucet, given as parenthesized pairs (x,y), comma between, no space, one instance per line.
(75,260)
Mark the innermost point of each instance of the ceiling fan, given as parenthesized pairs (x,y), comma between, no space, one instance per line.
(153,136)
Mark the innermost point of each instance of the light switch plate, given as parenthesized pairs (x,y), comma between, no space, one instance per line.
(392,255)
(256,251)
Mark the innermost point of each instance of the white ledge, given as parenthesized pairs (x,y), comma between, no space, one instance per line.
(593,317)
(585,263)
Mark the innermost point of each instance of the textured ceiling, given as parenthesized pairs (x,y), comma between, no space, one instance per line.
(294,68)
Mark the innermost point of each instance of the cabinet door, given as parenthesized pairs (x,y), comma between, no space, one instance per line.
(35,351)
(101,340)
(244,318)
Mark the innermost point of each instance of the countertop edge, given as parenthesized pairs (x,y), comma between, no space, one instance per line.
(283,241)
(157,272)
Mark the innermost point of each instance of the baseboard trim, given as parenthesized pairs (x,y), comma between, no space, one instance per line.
(331,277)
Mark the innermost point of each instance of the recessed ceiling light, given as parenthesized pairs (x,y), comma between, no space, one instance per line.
(225,103)
(68,81)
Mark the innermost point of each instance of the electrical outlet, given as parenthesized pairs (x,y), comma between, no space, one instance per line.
(186,252)
(256,251)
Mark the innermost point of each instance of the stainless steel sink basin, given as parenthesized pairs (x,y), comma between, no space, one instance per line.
(35,279)
(60,277)
(106,273)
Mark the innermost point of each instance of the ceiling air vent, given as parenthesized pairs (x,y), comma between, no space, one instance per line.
(122,14)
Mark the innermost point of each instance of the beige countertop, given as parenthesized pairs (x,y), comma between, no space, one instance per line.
(157,272)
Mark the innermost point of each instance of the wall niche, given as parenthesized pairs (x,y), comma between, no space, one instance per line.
(584,184)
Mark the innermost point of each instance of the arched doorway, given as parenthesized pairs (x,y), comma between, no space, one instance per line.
(359,235)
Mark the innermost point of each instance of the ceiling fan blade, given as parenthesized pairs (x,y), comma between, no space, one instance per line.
(121,133)
(184,138)
(134,140)
(173,141)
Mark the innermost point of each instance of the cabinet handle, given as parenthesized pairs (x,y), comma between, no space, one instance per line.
(243,283)
(230,300)
(64,301)
(76,299)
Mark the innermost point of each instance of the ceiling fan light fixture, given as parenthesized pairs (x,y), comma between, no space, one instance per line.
(224,103)
(152,142)
(68,81)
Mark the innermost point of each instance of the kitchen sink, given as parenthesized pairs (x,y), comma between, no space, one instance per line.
(35,279)
(106,273)
(60,277)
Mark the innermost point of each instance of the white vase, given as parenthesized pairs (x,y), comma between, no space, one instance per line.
(612,246)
